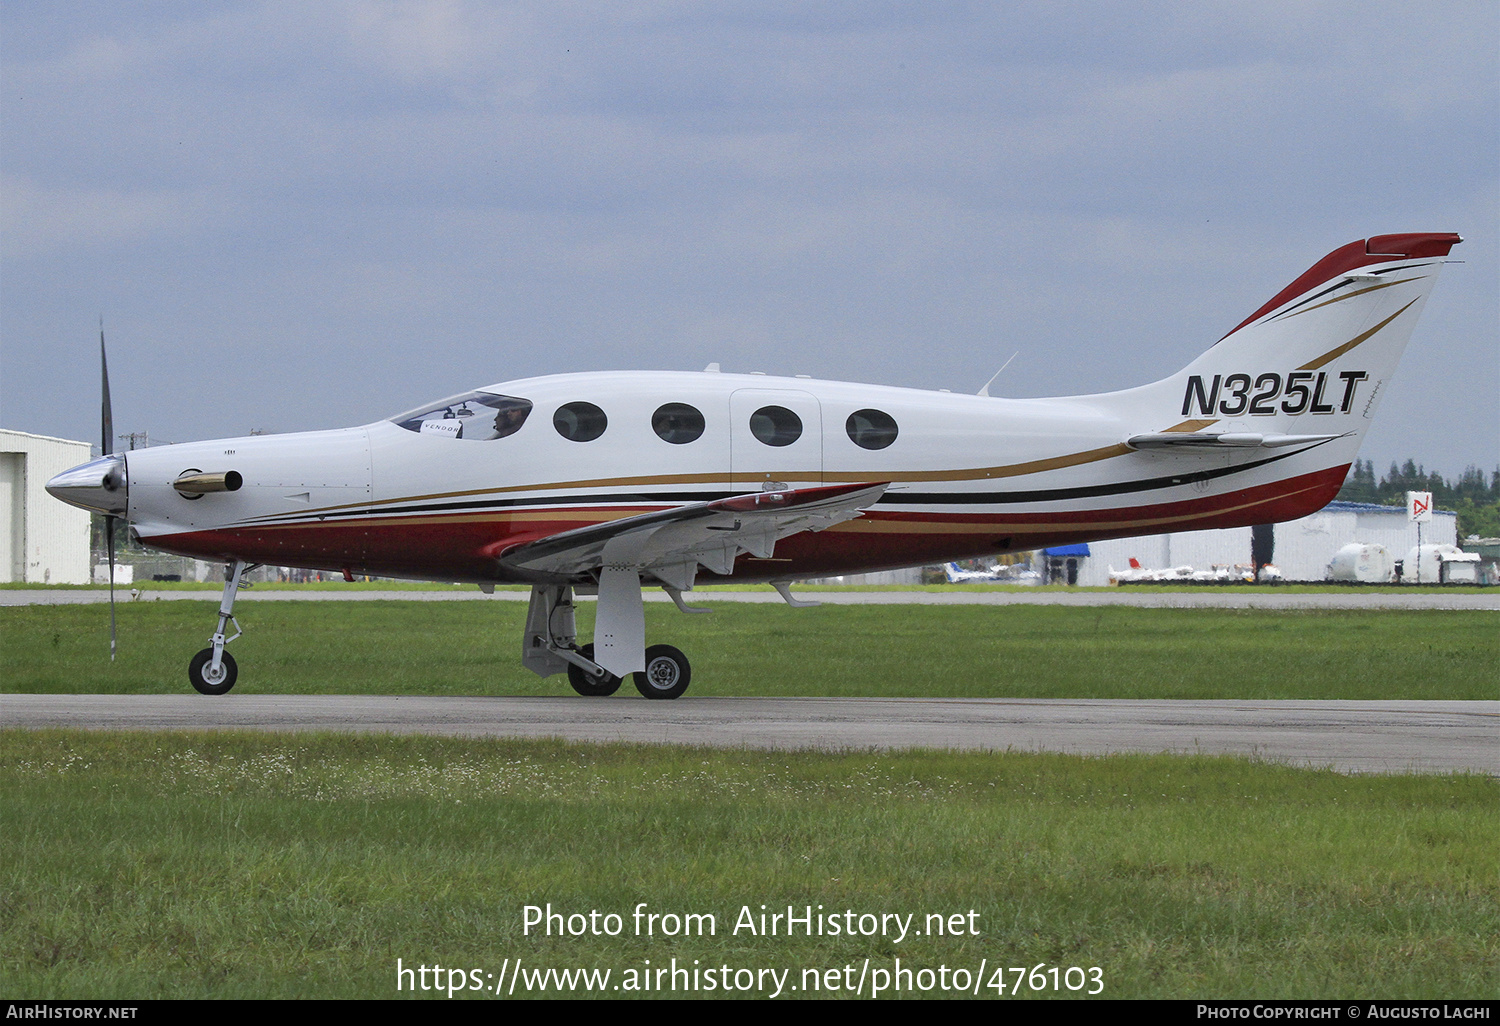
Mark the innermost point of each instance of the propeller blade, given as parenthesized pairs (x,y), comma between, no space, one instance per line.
(107,428)
(106,417)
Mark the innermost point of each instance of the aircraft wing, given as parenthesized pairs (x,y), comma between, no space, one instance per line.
(670,544)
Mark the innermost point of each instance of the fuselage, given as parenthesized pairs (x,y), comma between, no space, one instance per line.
(442,494)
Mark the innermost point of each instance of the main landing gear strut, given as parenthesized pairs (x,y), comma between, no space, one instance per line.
(213,671)
(552,644)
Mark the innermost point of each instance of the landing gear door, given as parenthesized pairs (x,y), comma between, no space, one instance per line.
(776,439)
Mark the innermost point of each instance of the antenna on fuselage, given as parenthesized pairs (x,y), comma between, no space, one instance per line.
(985,391)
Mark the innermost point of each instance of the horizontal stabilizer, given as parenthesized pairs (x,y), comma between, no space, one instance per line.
(1220,441)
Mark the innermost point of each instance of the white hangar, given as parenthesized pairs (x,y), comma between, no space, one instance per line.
(42,541)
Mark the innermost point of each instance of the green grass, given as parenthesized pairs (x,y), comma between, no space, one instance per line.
(253,865)
(472,648)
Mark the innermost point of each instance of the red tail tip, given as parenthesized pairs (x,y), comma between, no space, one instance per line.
(1375,250)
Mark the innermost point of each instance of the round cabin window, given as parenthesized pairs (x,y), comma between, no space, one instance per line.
(871,429)
(580,422)
(776,425)
(677,423)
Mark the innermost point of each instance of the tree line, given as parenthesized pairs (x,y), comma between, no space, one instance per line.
(1475,496)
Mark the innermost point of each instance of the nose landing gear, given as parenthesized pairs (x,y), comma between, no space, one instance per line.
(213,670)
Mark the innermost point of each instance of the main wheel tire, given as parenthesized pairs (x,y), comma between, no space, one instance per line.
(590,686)
(666,675)
(205,681)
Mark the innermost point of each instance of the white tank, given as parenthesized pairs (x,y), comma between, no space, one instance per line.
(1429,568)
(1367,564)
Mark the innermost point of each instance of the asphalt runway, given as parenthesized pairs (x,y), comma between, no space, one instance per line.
(1349,736)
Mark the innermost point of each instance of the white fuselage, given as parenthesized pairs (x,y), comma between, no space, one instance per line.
(970,475)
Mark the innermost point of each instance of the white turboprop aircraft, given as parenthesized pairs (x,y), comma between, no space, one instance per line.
(958,575)
(615,481)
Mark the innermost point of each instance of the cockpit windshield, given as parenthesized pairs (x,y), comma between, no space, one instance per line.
(476,416)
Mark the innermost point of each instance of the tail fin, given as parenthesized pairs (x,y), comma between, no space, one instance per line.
(1311,363)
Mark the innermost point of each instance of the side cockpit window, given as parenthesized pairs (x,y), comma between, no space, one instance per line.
(475,416)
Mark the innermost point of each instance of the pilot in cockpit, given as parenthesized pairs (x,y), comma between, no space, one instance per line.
(508,419)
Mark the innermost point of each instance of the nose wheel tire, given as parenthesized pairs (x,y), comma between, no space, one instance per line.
(208,682)
(666,675)
(590,686)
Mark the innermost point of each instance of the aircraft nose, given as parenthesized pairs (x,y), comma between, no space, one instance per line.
(99,485)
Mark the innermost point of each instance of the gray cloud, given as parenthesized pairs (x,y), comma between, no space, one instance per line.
(301,215)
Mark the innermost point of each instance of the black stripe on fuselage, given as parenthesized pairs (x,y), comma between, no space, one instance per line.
(890,498)
(1086,492)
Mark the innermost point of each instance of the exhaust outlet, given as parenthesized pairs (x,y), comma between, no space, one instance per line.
(193,483)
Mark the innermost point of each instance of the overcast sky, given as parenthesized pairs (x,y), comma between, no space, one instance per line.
(305,215)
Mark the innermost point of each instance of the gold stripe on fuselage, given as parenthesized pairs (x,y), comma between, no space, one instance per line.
(974,474)
(971,474)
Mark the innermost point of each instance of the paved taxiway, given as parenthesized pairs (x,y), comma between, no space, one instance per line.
(1350,736)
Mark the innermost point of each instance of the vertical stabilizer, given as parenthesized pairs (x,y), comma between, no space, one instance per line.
(1315,359)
